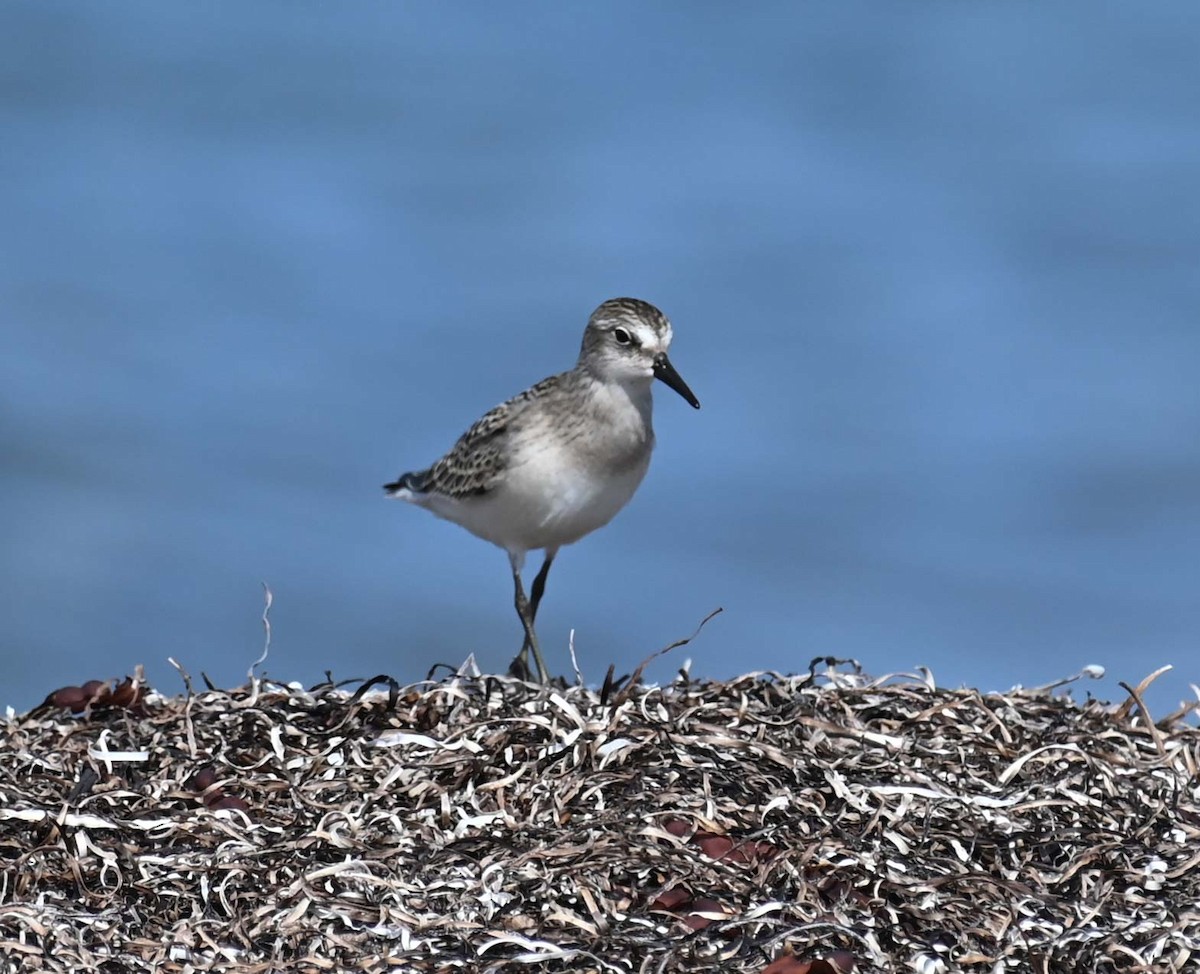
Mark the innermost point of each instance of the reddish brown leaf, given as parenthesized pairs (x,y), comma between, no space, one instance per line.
(714,846)
(126,694)
(838,962)
(212,796)
(202,779)
(704,904)
(230,801)
(672,899)
(74,699)
(787,965)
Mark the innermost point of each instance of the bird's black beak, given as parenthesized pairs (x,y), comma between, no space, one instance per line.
(665,372)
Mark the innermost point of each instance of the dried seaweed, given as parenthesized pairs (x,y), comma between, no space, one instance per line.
(486,824)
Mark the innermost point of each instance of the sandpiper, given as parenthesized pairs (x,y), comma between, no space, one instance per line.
(558,460)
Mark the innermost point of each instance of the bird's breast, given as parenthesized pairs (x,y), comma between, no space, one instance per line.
(560,492)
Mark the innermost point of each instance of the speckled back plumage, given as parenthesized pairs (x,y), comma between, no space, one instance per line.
(477,461)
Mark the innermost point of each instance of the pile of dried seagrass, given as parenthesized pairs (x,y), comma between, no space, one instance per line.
(823,824)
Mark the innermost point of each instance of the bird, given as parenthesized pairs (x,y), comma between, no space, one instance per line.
(559,460)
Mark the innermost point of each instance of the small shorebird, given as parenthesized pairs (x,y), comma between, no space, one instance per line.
(560,459)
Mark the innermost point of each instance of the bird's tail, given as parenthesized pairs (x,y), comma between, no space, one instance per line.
(409,483)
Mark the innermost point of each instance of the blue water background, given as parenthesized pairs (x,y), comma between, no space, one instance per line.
(934,270)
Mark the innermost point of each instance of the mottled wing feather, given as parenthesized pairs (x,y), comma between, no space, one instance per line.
(478,459)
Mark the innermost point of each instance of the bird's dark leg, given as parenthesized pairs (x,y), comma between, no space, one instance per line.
(521,663)
(539,583)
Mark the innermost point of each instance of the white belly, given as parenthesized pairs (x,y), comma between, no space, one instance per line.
(545,502)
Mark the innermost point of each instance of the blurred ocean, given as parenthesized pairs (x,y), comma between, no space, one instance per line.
(934,271)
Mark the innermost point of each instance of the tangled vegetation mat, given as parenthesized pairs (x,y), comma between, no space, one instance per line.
(822,824)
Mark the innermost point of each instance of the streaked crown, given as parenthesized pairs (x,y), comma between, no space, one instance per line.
(623,337)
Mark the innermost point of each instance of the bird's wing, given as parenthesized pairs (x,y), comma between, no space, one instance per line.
(477,461)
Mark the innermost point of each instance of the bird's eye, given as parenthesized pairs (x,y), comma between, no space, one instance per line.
(622,336)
